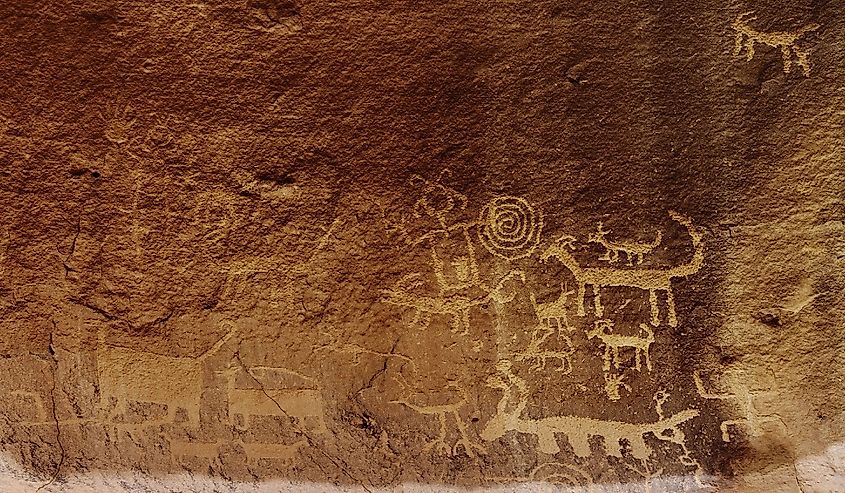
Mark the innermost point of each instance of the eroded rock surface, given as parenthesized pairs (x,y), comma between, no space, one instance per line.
(284,245)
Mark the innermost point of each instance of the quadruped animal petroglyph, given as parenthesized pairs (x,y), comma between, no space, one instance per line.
(442,411)
(577,429)
(651,279)
(614,342)
(633,251)
(786,41)
(126,375)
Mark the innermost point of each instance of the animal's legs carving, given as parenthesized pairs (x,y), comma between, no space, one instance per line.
(655,309)
(670,302)
(597,300)
(582,291)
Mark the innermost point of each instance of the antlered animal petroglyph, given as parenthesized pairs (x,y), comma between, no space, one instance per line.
(744,397)
(126,375)
(614,342)
(786,41)
(509,227)
(651,280)
(633,251)
(577,429)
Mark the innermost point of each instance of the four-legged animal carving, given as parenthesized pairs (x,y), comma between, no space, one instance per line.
(633,251)
(614,342)
(652,280)
(786,41)
(577,429)
(553,312)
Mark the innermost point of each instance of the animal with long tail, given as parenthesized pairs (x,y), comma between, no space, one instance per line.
(652,280)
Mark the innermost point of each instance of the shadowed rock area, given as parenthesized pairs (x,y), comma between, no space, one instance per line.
(370,246)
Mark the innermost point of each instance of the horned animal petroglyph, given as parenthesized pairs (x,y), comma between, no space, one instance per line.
(302,402)
(744,397)
(439,444)
(126,375)
(786,41)
(540,356)
(457,307)
(632,251)
(554,311)
(651,280)
(614,342)
(577,429)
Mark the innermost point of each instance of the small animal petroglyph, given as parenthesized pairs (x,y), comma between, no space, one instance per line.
(651,280)
(577,429)
(442,412)
(128,375)
(37,404)
(744,397)
(614,342)
(540,356)
(302,401)
(632,251)
(282,452)
(509,227)
(457,307)
(553,312)
(786,41)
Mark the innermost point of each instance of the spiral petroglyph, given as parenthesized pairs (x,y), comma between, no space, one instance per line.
(510,227)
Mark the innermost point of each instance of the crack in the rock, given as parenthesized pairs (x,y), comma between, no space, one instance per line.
(299,430)
(55,416)
(67,267)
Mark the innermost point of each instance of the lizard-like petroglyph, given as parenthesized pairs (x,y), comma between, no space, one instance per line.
(786,41)
(651,280)
(577,429)
(633,251)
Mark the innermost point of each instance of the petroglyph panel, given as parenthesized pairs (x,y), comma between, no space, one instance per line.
(273,245)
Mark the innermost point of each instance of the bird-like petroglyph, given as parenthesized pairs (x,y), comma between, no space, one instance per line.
(651,280)
(577,429)
(126,375)
(510,228)
(786,41)
(633,251)
(745,399)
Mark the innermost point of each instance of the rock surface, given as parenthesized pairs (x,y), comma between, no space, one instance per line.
(278,245)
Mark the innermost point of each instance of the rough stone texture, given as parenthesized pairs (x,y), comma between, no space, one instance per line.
(278,245)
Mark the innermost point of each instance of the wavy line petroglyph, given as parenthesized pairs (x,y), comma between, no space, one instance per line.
(744,398)
(442,411)
(577,429)
(126,375)
(651,280)
(633,251)
(786,41)
(510,228)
